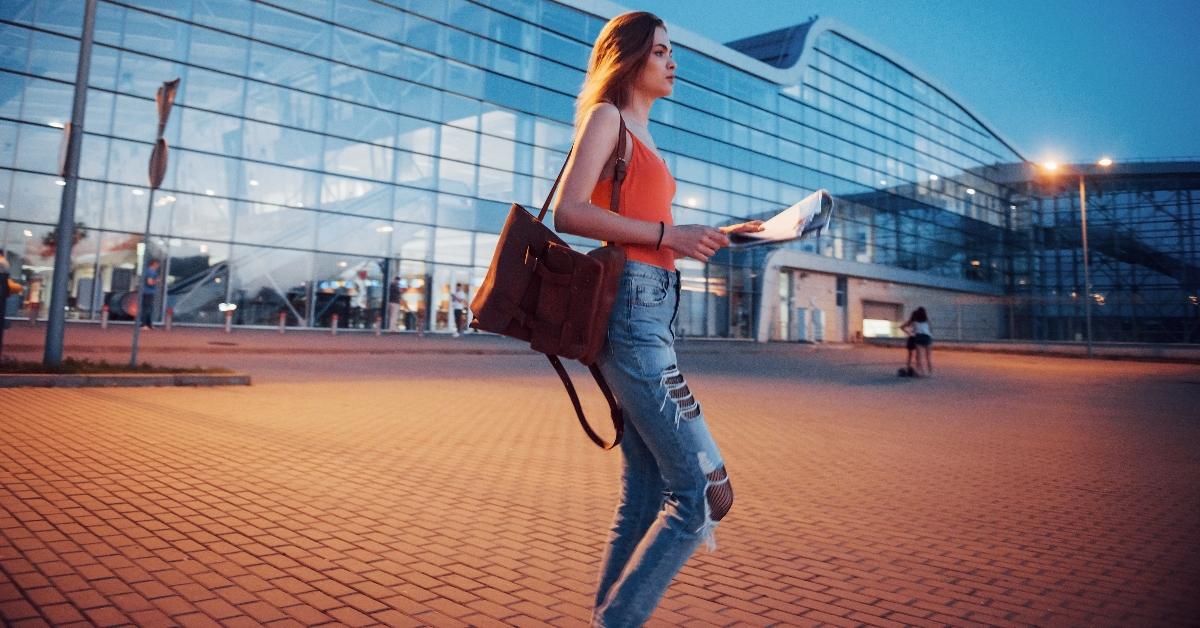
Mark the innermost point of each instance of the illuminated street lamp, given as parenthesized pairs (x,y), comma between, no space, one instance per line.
(1052,167)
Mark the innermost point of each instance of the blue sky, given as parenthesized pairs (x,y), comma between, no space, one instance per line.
(1072,80)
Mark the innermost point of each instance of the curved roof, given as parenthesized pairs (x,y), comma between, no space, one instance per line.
(799,42)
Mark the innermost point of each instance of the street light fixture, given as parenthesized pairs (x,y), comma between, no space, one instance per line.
(1052,168)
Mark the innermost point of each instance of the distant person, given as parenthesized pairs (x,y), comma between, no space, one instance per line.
(358,299)
(151,280)
(14,288)
(396,309)
(920,340)
(458,303)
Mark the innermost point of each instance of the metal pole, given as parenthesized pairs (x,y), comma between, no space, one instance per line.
(3,307)
(1087,274)
(52,356)
(141,287)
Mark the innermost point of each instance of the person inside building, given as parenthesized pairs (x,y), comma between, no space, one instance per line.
(146,308)
(675,486)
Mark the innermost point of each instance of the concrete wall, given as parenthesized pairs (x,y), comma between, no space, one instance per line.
(953,315)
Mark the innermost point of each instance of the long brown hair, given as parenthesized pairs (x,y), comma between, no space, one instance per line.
(620,53)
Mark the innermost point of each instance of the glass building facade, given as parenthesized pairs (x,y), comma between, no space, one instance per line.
(357,158)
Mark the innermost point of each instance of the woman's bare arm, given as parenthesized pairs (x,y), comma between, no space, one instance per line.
(574,212)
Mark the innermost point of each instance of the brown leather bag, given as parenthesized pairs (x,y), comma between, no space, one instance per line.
(540,290)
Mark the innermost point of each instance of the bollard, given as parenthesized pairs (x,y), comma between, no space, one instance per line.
(228,321)
(167,318)
(104,316)
(421,324)
(282,320)
(333,321)
(378,324)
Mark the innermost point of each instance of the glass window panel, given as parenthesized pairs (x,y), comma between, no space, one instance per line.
(460,112)
(154,35)
(210,90)
(350,83)
(555,105)
(285,67)
(358,159)
(211,175)
(212,132)
(34,197)
(414,169)
(197,276)
(417,66)
(93,158)
(497,153)
(267,281)
(197,215)
(127,163)
(282,145)
(280,185)
(103,72)
(352,234)
(418,100)
(465,79)
(458,144)
(456,177)
(125,210)
(51,56)
(218,50)
(421,33)
(363,50)
(413,205)
(284,106)
(39,148)
(142,76)
(453,246)
(61,17)
(356,196)
(415,134)
(496,185)
(42,102)
(262,223)
(8,145)
(229,15)
(336,288)
(370,17)
(99,112)
(411,241)
(290,30)
(550,134)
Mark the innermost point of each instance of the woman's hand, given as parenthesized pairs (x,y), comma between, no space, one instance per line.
(752,226)
(698,242)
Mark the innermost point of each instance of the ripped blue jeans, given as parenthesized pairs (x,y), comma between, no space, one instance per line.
(674,486)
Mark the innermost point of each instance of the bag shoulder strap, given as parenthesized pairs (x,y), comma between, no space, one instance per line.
(618,419)
(619,166)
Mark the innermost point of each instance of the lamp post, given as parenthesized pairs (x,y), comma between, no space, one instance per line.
(1052,167)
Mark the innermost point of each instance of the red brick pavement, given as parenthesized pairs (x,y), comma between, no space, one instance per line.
(1006,491)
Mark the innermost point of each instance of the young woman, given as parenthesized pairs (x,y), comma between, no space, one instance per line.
(920,339)
(674,485)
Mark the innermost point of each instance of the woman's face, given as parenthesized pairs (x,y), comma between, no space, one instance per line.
(657,78)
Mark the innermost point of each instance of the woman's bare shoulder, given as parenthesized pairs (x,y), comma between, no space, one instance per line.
(602,114)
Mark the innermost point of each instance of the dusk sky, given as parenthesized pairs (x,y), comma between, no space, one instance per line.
(1071,80)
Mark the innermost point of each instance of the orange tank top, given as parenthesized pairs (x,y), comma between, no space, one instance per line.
(646,195)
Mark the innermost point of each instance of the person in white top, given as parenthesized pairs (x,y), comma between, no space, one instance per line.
(920,340)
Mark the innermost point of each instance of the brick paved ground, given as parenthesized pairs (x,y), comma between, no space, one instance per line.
(433,489)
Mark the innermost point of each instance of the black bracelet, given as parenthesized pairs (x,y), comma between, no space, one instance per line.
(662,229)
